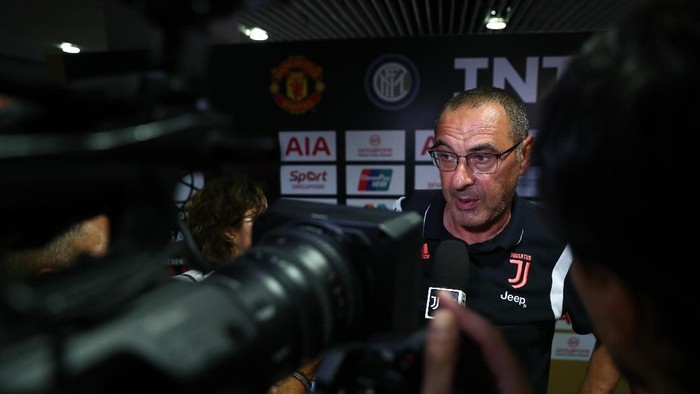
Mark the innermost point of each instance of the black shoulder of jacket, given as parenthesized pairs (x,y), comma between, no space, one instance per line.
(419,200)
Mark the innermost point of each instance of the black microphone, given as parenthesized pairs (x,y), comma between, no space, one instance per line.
(450,274)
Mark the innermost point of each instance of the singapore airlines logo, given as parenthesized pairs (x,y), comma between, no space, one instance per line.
(522,263)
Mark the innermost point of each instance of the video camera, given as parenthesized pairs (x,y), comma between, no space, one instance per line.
(318,277)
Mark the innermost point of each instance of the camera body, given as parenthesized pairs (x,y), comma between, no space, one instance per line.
(382,268)
(354,275)
(320,275)
(317,276)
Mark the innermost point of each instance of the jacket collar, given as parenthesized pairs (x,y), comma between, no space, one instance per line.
(433,227)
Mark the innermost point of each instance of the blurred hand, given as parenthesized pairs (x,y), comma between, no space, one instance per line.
(442,345)
(292,385)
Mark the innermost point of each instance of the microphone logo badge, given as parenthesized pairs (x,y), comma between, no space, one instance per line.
(433,302)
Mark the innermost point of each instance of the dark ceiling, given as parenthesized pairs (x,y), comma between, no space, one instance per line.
(356,19)
(31,29)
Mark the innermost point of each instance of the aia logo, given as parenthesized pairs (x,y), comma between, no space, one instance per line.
(427,144)
(307,145)
(297,84)
(522,271)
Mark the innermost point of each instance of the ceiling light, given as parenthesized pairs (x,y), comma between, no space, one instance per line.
(255,33)
(67,47)
(495,23)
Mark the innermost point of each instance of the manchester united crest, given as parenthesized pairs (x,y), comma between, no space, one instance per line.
(297,84)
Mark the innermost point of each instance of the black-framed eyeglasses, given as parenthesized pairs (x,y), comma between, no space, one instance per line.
(479,162)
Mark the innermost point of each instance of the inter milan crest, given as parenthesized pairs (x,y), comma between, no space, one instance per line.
(392,82)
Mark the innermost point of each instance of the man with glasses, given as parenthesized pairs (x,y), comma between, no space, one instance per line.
(518,267)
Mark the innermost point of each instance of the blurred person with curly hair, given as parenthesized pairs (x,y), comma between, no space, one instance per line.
(220,218)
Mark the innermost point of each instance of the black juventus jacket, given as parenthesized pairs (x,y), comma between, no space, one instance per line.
(518,280)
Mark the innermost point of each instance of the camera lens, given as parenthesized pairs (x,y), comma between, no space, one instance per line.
(299,289)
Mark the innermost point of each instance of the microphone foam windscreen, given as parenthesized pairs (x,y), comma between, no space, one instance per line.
(451,265)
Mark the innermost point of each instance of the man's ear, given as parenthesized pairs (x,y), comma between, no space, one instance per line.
(527,153)
(230,233)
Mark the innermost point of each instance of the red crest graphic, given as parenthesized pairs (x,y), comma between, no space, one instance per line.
(521,275)
(297,84)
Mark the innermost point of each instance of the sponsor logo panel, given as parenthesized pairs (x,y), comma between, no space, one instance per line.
(375,145)
(300,179)
(332,201)
(424,140)
(571,346)
(307,146)
(427,177)
(528,183)
(375,179)
(376,203)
